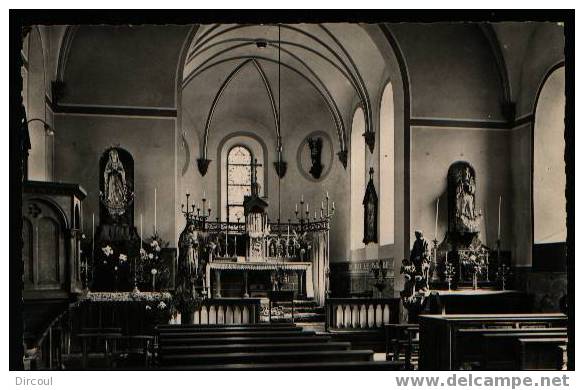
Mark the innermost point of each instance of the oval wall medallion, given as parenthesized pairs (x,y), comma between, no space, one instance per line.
(315,156)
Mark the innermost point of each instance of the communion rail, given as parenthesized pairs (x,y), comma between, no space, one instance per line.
(228,311)
(360,313)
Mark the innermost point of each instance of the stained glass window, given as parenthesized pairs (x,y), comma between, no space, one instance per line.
(238,180)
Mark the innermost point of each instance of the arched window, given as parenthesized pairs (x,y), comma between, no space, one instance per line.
(549,175)
(386,168)
(357,179)
(239,161)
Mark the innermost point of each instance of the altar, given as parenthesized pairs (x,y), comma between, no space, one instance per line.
(272,266)
(251,258)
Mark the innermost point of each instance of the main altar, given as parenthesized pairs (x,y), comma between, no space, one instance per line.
(251,257)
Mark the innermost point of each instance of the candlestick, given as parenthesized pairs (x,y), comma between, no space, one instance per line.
(155,201)
(436,222)
(141,231)
(92,243)
(499,221)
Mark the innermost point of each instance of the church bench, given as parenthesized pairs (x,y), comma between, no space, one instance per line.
(324,345)
(245,340)
(541,354)
(439,338)
(108,339)
(266,357)
(320,366)
(400,337)
(469,341)
(500,351)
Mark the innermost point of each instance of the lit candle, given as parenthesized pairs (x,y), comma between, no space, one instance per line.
(436,222)
(155,196)
(499,221)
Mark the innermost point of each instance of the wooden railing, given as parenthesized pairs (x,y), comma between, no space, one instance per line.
(360,313)
(55,341)
(228,311)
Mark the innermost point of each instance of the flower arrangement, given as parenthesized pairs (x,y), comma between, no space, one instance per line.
(152,273)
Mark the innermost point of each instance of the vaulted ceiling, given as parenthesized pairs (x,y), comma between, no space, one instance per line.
(338,62)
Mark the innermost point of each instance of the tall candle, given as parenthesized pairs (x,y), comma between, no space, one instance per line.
(155,196)
(499,221)
(92,250)
(436,222)
(296,207)
(141,231)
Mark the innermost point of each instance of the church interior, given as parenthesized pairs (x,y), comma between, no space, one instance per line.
(295,196)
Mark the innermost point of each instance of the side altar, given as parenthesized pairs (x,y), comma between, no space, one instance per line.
(249,258)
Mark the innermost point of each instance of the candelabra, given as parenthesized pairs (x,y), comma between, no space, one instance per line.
(502,274)
(449,274)
(201,215)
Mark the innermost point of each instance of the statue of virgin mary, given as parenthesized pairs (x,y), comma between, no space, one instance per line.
(115,189)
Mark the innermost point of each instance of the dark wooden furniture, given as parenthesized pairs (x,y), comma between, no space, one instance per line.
(480,302)
(401,340)
(276,296)
(258,347)
(500,351)
(440,339)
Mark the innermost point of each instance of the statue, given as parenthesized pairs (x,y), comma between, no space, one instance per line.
(420,258)
(370,203)
(416,274)
(466,218)
(187,273)
(315,145)
(115,189)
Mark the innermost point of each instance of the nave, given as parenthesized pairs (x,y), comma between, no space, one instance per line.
(295,196)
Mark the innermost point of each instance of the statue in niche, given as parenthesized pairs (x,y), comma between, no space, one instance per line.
(466,218)
(370,202)
(116,194)
(315,145)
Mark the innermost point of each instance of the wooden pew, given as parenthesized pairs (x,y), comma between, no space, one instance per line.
(500,351)
(265,357)
(304,366)
(439,342)
(401,337)
(227,334)
(299,338)
(170,331)
(469,341)
(541,354)
(323,345)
